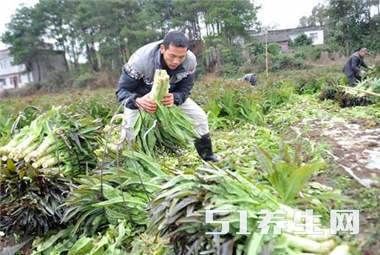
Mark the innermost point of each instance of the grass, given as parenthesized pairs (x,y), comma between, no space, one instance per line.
(46,100)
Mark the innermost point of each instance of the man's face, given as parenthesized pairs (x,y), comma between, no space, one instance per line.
(173,56)
(363,52)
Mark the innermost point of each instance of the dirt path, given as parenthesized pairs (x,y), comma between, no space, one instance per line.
(354,146)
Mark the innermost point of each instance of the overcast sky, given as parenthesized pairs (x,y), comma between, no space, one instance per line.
(284,13)
(7,9)
(274,13)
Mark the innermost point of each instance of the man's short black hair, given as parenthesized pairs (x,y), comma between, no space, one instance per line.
(361,48)
(177,39)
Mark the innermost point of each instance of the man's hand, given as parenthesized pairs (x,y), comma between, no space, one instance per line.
(146,104)
(168,100)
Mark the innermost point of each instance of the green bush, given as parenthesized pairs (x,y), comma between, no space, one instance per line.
(274,49)
(229,69)
(287,61)
(301,40)
(276,94)
(314,53)
(224,53)
(258,48)
(234,107)
(83,80)
(309,52)
(310,86)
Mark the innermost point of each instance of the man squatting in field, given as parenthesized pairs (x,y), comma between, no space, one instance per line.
(353,64)
(173,55)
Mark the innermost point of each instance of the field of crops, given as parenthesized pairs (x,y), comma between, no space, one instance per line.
(297,148)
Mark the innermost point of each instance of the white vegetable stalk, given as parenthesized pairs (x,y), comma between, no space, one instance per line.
(8,148)
(42,149)
(28,150)
(342,249)
(25,144)
(50,162)
(39,162)
(308,245)
(321,235)
(160,85)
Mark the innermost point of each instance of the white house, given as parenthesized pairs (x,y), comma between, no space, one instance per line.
(12,76)
(284,36)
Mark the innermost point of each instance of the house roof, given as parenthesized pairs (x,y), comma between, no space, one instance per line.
(4,53)
(9,69)
(283,35)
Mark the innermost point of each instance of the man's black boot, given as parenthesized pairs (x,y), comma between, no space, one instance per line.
(204,148)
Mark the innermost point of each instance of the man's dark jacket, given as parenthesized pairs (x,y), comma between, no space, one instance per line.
(137,75)
(352,67)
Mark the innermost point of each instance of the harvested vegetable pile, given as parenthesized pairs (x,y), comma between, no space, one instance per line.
(370,86)
(67,179)
(37,165)
(58,141)
(178,213)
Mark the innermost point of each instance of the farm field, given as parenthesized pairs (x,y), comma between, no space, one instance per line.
(296,142)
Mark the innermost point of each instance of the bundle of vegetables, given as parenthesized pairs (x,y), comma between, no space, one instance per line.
(150,245)
(111,242)
(370,86)
(346,96)
(107,211)
(30,201)
(12,124)
(364,93)
(371,72)
(56,144)
(57,141)
(330,91)
(112,194)
(167,127)
(65,242)
(178,212)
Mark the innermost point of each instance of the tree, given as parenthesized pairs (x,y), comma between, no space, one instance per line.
(304,21)
(107,32)
(186,16)
(349,23)
(24,34)
(53,13)
(301,40)
(318,17)
(229,18)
